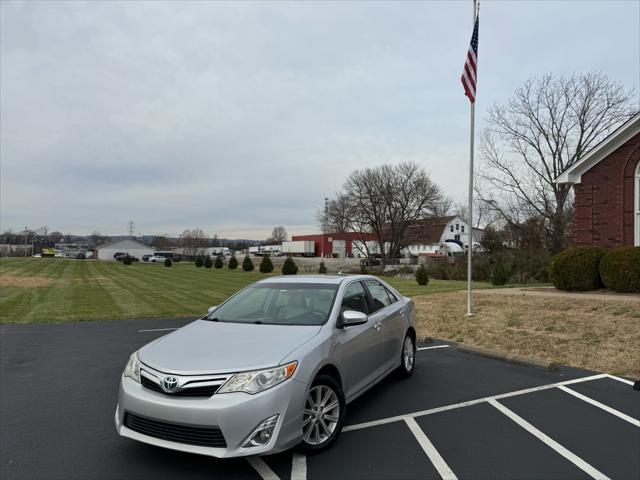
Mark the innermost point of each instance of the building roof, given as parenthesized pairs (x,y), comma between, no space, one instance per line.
(126,243)
(426,231)
(615,140)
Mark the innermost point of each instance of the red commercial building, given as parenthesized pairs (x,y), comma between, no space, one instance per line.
(338,244)
(607,188)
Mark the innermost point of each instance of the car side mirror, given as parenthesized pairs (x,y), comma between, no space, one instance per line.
(212,309)
(352,317)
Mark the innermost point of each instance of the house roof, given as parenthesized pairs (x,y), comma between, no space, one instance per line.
(426,231)
(615,140)
(125,243)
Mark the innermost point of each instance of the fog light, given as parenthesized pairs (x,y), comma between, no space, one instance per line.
(262,433)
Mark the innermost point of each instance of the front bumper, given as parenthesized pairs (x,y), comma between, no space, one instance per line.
(235,414)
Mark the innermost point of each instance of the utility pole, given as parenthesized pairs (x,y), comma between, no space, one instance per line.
(131,228)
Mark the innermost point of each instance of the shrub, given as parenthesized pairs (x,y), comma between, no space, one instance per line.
(576,269)
(289,267)
(167,262)
(127,260)
(266,265)
(322,268)
(620,269)
(422,275)
(247,264)
(207,262)
(233,263)
(199,262)
(218,263)
(499,272)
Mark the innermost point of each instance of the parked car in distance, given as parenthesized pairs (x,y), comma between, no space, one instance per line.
(156,259)
(271,368)
(37,255)
(145,258)
(119,256)
(81,256)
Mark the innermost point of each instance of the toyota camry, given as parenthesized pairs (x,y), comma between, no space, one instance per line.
(271,368)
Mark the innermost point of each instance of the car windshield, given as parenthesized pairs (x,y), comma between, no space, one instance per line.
(279,304)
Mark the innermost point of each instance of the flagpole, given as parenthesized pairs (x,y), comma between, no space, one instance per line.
(470,226)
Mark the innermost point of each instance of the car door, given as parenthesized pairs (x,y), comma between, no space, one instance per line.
(389,313)
(358,348)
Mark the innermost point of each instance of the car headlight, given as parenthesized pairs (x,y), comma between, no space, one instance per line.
(259,380)
(132,370)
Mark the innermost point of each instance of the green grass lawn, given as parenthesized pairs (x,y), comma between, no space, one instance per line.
(60,290)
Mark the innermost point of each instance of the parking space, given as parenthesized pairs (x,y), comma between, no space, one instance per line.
(459,416)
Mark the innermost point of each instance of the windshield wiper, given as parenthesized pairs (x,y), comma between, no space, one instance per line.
(258,322)
(214,319)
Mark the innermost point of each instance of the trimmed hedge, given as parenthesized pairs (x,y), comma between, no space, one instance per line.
(289,267)
(620,269)
(322,269)
(218,263)
(167,262)
(576,268)
(199,262)
(247,264)
(266,265)
(233,263)
(207,262)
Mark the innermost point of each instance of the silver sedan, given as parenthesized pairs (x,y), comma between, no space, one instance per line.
(271,368)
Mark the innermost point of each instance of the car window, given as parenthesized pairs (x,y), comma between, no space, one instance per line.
(392,296)
(355,298)
(279,304)
(379,295)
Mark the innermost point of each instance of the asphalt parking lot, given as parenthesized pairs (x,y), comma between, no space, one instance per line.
(459,416)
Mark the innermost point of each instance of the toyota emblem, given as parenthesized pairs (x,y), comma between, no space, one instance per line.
(169,384)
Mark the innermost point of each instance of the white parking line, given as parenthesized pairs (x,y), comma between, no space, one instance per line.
(604,407)
(430,411)
(299,466)
(623,380)
(262,468)
(158,329)
(435,346)
(572,457)
(435,457)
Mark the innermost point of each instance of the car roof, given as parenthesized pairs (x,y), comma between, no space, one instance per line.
(324,279)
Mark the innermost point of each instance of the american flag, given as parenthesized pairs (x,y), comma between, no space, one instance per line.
(470,70)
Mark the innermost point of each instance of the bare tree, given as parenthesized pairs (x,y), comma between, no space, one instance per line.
(385,200)
(547,127)
(278,235)
(193,242)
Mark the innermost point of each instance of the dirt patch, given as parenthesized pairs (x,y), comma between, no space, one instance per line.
(598,334)
(24,282)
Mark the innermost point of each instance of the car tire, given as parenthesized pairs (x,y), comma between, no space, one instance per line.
(319,429)
(407,357)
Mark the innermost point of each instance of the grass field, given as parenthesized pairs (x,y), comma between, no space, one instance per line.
(60,290)
(596,334)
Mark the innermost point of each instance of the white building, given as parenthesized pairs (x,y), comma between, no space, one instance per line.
(133,247)
(428,236)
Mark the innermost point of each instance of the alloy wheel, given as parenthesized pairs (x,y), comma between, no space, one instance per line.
(321,415)
(408,353)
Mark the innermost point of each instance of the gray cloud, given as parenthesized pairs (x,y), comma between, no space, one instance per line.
(236,117)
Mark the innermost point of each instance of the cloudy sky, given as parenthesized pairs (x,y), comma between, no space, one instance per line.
(235,117)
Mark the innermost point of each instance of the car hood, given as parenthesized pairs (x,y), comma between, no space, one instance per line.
(205,347)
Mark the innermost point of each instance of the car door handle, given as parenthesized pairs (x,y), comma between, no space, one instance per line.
(377,326)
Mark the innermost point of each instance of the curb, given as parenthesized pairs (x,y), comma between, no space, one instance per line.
(529,362)
(421,340)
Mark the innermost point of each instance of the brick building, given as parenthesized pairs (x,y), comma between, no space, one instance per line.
(343,244)
(607,189)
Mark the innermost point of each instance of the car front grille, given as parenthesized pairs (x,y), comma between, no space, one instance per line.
(204,391)
(188,434)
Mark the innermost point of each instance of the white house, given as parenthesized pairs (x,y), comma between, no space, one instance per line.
(427,236)
(132,247)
